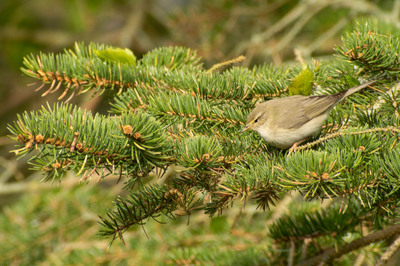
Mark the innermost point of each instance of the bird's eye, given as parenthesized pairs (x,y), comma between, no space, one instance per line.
(256,120)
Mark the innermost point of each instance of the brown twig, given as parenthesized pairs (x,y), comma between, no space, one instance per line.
(341,133)
(389,253)
(330,254)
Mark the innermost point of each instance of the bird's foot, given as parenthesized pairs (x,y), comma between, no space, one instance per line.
(295,145)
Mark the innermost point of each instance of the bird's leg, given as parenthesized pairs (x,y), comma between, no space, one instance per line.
(294,146)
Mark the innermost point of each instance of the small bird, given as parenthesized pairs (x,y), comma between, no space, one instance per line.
(284,122)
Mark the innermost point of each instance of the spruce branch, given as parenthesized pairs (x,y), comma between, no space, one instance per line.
(197,112)
(165,69)
(372,49)
(148,203)
(255,182)
(312,225)
(72,139)
(343,133)
(330,254)
(78,70)
(81,70)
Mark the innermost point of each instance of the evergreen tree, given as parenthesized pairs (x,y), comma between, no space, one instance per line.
(168,112)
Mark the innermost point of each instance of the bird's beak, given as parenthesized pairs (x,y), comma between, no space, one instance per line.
(246,127)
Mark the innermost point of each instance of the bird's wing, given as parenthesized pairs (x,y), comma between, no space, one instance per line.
(310,107)
(317,105)
(307,109)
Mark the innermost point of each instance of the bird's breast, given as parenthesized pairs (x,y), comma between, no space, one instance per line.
(285,138)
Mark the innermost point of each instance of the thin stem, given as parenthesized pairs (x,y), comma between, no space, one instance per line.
(330,254)
(340,133)
(389,253)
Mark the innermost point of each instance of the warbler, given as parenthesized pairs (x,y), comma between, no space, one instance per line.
(283,122)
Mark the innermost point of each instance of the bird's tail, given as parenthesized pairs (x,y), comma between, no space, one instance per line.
(357,88)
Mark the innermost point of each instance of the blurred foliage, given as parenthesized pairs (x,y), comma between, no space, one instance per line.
(59,226)
(63,230)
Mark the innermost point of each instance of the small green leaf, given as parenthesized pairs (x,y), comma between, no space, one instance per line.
(302,84)
(124,56)
(351,81)
(219,225)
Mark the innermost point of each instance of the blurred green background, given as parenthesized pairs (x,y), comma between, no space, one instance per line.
(57,224)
